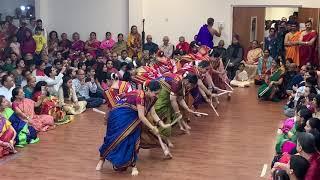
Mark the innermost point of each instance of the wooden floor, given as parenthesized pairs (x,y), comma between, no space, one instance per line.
(233,147)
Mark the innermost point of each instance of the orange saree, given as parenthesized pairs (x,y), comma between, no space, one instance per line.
(293,51)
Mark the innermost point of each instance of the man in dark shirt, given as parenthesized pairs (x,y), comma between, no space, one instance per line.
(150,46)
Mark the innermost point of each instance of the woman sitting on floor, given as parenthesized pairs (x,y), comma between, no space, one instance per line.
(25,134)
(7,136)
(25,109)
(28,89)
(252,59)
(241,79)
(49,105)
(272,89)
(68,98)
(264,65)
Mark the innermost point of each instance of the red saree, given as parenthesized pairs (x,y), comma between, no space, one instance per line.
(6,135)
(309,53)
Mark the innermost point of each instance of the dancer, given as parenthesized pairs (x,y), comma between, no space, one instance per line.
(121,143)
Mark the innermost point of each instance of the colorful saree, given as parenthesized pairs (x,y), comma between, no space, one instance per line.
(39,122)
(122,140)
(264,90)
(77,45)
(50,106)
(111,95)
(293,51)
(309,53)
(25,134)
(6,135)
(134,45)
(92,47)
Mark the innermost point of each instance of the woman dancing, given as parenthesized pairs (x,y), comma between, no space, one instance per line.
(121,143)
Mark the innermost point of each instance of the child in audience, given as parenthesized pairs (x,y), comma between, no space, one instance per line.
(241,79)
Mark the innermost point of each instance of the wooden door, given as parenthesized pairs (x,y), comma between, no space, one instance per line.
(306,14)
(243,21)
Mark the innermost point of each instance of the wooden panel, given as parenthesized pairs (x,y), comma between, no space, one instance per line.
(234,146)
(241,23)
(306,13)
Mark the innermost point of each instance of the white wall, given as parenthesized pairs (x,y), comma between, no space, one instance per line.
(8,7)
(184,17)
(85,16)
(276,13)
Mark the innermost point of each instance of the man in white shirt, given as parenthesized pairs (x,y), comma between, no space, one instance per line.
(167,47)
(84,86)
(53,80)
(124,57)
(7,87)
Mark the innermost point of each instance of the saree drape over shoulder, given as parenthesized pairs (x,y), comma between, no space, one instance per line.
(309,53)
(293,51)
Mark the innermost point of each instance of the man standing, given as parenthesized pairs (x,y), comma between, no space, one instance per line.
(207,32)
(150,46)
(308,48)
(282,31)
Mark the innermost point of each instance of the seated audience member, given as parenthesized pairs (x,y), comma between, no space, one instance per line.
(108,43)
(25,74)
(83,86)
(253,55)
(82,66)
(124,57)
(53,43)
(115,60)
(8,66)
(92,45)
(28,89)
(28,44)
(220,50)
(123,69)
(53,80)
(296,169)
(25,109)
(77,44)
(234,56)
(272,87)
(264,66)
(241,79)
(49,104)
(15,46)
(110,68)
(20,66)
(90,62)
(183,45)
(134,42)
(40,69)
(150,46)
(64,45)
(25,134)
(167,47)
(72,73)
(119,46)
(291,127)
(7,87)
(68,98)
(29,60)
(41,41)
(58,64)
(7,136)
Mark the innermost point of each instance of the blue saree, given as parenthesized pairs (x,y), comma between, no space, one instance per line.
(121,143)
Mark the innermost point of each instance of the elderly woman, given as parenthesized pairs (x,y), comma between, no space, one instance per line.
(234,56)
(252,58)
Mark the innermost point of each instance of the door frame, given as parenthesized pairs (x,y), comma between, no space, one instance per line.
(265,6)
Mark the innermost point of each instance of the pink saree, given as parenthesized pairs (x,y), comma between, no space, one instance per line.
(39,122)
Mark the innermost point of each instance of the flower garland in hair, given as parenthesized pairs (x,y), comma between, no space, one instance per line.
(145,85)
(114,76)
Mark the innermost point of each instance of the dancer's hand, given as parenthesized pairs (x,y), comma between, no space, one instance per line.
(155,130)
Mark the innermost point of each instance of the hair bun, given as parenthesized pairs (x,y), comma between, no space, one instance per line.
(145,85)
(114,76)
(185,74)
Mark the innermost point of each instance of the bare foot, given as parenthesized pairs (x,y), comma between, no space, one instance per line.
(134,172)
(167,154)
(170,144)
(99,165)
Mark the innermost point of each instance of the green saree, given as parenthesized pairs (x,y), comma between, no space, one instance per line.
(264,90)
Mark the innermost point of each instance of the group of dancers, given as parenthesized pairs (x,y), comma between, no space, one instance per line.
(143,117)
